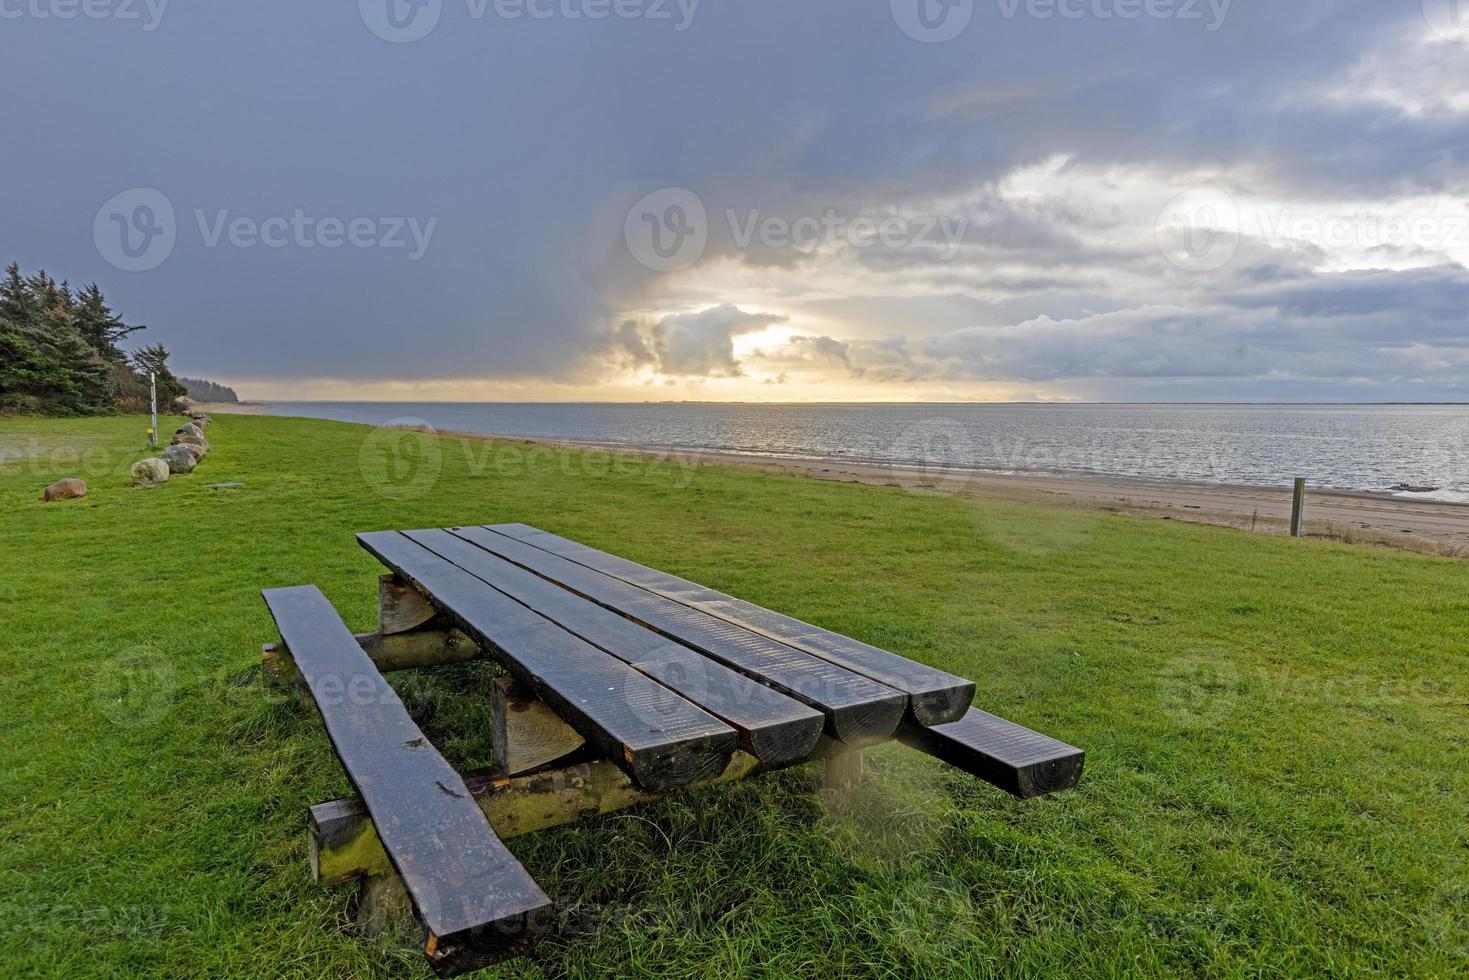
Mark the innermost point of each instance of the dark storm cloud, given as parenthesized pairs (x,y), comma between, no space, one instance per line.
(527,140)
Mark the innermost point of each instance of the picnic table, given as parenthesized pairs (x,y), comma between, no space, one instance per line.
(623,685)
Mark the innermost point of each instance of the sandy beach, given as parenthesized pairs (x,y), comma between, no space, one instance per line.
(232,408)
(1432,526)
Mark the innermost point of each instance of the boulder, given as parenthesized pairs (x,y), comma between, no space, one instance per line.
(68,489)
(203,421)
(198,452)
(180,459)
(147,472)
(184,403)
(199,413)
(185,439)
(190,428)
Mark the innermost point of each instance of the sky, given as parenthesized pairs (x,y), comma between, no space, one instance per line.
(773,200)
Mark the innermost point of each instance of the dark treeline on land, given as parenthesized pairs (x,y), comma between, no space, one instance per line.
(208,391)
(60,352)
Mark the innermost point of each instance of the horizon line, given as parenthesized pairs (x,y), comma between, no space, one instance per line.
(891,404)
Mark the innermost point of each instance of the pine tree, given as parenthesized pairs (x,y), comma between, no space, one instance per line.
(154,359)
(49,361)
(101,327)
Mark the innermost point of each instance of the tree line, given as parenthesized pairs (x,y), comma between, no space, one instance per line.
(61,353)
(208,391)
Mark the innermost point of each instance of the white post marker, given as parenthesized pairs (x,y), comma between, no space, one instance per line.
(153,402)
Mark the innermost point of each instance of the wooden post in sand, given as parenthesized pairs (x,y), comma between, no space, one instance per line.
(1297,509)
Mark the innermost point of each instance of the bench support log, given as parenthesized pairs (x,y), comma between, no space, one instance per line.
(388,653)
(344,845)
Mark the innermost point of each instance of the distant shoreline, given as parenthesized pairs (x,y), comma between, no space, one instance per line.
(234,408)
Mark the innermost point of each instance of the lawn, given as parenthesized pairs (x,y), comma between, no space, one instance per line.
(1276,731)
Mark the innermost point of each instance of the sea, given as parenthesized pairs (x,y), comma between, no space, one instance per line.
(1407,450)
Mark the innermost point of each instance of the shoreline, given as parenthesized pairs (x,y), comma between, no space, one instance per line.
(1355,516)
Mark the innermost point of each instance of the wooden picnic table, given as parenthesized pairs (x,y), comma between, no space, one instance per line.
(624,684)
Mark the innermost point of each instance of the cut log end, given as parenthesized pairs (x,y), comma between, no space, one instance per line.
(875,719)
(663,768)
(1051,776)
(400,608)
(941,706)
(785,744)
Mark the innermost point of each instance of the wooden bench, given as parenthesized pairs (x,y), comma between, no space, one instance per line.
(476,902)
(625,684)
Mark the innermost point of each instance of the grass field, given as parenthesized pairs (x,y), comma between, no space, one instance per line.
(1277,731)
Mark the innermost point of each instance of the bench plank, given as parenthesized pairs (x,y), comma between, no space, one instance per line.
(772,727)
(935,697)
(1019,761)
(476,901)
(658,738)
(855,707)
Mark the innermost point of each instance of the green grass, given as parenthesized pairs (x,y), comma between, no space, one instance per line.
(1276,731)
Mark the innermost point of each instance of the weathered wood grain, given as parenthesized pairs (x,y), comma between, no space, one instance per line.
(1014,758)
(855,707)
(660,739)
(476,902)
(399,608)
(935,697)
(529,732)
(774,728)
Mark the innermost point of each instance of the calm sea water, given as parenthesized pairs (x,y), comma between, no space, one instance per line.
(1350,447)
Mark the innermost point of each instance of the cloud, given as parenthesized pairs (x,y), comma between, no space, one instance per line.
(1057,140)
(699,344)
(1352,327)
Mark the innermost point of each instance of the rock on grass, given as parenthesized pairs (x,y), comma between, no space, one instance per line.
(180,459)
(67,489)
(147,472)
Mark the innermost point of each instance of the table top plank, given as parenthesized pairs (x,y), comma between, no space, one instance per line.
(934,696)
(856,707)
(774,728)
(1022,762)
(660,739)
(469,891)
